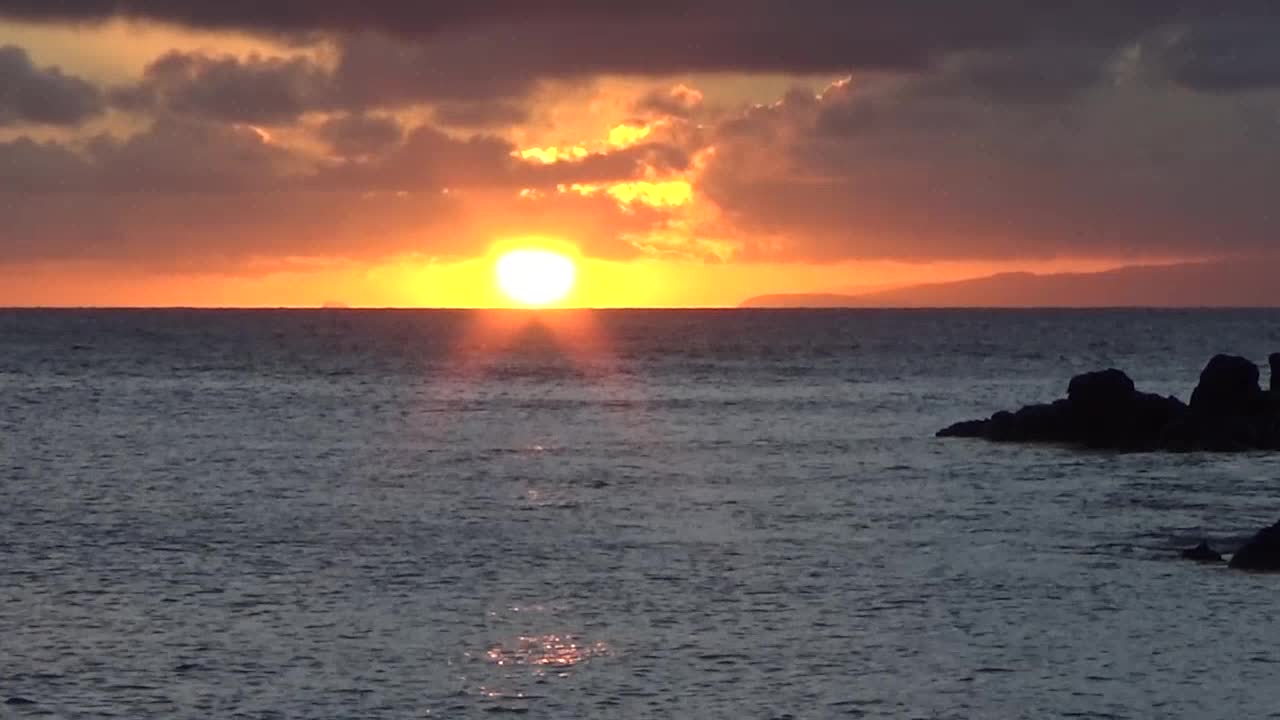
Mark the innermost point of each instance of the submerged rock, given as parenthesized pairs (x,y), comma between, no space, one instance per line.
(1104,410)
(1202,553)
(1262,553)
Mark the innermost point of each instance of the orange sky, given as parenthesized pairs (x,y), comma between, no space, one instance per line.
(170,185)
(470,283)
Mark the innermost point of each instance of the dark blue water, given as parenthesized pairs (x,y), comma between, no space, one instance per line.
(738,514)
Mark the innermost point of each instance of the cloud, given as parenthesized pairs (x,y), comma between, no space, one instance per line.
(987,130)
(573,38)
(198,195)
(369,73)
(361,135)
(255,89)
(679,101)
(308,15)
(378,70)
(886,170)
(1042,74)
(1222,57)
(30,166)
(480,114)
(42,96)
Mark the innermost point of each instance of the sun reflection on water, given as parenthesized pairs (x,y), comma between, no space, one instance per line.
(530,646)
(547,651)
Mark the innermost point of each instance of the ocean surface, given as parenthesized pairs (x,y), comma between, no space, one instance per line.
(631,514)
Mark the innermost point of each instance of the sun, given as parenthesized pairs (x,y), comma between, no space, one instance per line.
(536,277)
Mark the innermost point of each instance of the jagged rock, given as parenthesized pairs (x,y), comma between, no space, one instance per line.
(1202,553)
(1104,410)
(1228,387)
(1262,553)
(1275,373)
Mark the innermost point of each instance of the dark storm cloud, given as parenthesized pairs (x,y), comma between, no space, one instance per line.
(42,96)
(406,16)
(479,61)
(585,37)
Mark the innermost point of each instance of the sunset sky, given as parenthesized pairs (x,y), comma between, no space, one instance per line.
(383,152)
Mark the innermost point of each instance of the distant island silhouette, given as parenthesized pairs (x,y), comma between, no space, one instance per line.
(1241,283)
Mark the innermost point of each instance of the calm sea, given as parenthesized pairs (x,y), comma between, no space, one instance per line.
(633,514)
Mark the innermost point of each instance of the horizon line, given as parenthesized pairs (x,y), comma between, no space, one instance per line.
(674,308)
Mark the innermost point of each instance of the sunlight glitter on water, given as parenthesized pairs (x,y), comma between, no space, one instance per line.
(549,650)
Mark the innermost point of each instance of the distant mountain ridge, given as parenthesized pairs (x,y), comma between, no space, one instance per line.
(1251,283)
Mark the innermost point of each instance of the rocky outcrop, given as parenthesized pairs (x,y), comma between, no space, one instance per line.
(1261,554)
(1202,553)
(1229,411)
(1228,387)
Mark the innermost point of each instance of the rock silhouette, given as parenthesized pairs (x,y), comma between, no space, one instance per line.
(1262,553)
(1228,412)
(1228,387)
(1202,553)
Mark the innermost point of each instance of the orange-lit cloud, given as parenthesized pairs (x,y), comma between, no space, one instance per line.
(549,155)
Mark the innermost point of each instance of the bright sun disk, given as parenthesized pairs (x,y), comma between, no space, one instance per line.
(535,277)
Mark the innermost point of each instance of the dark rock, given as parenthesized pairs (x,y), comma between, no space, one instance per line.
(1270,434)
(1002,427)
(1149,415)
(1262,553)
(1202,553)
(1099,389)
(1101,406)
(1275,373)
(1179,436)
(1104,410)
(1228,387)
(1044,423)
(1229,434)
(966,429)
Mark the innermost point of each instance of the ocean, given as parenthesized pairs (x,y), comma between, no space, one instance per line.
(613,514)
